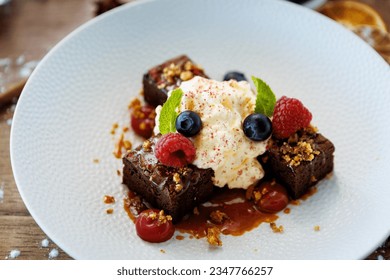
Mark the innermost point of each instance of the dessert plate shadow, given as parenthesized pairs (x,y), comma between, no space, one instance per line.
(62,149)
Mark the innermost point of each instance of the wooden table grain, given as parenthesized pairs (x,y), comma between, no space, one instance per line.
(28,29)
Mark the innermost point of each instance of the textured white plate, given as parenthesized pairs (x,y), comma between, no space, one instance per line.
(65,114)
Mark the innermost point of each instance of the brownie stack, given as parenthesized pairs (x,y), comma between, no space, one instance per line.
(161,79)
(300,161)
(176,190)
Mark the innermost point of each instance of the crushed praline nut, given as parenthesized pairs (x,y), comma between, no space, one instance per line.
(302,151)
(178,187)
(160,216)
(275,228)
(171,71)
(147,145)
(176,178)
(213,238)
(186,75)
(108,199)
(317,228)
(135,103)
(188,65)
(257,196)
(218,217)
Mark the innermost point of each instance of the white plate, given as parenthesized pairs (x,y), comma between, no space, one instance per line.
(65,114)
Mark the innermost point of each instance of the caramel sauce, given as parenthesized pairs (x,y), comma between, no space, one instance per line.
(118,147)
(179,237)
(242,215)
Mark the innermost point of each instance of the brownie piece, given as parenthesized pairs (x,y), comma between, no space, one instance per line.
(175,190)
(300,161)
(161,79)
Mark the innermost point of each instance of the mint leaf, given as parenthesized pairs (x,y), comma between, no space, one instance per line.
(168,113)
(265,99)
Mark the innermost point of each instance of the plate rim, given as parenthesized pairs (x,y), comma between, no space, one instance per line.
(47,57)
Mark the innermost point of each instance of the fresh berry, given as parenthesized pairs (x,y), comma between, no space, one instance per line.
(257,127)
(173,149)
(154,226)
(233,75)
(188,123)
(142,120)
(289,116)
(274,197)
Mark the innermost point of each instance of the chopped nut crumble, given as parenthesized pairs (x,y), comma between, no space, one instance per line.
(302,151)
(275,228)
(178,187)
(218,217)
(176,178)
(108,199)
(160,216)
(146,145)
(213,236)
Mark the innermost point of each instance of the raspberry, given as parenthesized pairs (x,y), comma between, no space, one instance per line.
(289,116)
(142,120)
(173,149)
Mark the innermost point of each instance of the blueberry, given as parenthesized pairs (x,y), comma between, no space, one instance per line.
(257,127)
(233,75)
(188,123)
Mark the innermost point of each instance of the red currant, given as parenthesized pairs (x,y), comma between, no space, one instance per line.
(154,226)
(274,197)
(142,120)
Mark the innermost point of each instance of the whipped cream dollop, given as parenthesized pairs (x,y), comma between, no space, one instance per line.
(221,143)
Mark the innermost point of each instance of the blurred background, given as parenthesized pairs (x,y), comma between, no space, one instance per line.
(30,28)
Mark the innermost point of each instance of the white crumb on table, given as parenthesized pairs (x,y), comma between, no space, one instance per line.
(14,254)
(9,122)
(12,108)
(53,253)
(27,68)
(45,243)
(1,192)
(380,257)
(20,60)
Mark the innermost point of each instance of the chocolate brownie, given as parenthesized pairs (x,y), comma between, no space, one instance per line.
(159,80)
(300,161)
(175,190)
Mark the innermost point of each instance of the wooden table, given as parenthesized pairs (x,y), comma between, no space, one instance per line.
(28,29)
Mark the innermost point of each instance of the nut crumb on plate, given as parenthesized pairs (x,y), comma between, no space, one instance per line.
(213,236)
(276,229)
